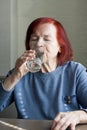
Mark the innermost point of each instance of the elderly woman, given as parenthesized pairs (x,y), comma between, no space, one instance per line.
(58,90)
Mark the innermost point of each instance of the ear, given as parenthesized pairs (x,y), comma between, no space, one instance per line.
(59,49)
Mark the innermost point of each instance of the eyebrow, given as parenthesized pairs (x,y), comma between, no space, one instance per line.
(33,34)
(47,35)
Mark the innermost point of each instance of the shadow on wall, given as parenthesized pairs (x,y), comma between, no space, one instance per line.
(9,112)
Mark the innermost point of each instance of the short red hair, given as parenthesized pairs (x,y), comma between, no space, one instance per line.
(66,50)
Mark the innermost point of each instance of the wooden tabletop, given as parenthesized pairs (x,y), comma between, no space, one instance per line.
(22,124)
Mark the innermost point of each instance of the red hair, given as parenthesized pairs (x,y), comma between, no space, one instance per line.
(66,50)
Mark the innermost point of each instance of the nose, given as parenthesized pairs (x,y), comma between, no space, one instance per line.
(39,42)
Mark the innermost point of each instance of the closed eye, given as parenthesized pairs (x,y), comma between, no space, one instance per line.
(47,39)
(34,38)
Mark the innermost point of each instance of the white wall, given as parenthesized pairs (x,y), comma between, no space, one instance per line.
(4,36)
(8,35)
(13,32)
(16,15)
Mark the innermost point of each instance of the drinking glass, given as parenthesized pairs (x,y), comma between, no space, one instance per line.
(35,64)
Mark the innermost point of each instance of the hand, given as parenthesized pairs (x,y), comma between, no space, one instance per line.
(19,71)
(20,65)
(66,119)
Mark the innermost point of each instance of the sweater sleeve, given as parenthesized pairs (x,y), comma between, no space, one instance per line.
(6,97)
(81,82)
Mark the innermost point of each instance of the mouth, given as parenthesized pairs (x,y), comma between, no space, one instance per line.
(40,50)
(40,54)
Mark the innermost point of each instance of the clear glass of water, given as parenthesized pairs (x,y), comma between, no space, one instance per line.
(35,64)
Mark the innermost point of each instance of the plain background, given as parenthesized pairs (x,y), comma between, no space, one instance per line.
(16,15)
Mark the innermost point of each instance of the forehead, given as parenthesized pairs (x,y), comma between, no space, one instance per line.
(46,28)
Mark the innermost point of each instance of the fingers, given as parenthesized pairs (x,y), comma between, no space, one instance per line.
(63,121)
(27,55)
(20,65)
(59,122)
(56,120)
(72,127)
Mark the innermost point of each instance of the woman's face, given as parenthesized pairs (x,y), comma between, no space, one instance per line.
(44,37)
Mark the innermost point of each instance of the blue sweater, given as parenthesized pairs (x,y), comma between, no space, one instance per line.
(42,95)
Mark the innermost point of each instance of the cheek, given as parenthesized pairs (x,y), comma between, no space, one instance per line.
(52,49)
(32,45)
(51,52)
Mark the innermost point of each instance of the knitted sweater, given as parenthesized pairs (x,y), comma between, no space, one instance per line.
(42,95)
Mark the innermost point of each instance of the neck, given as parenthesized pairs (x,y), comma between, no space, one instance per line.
(49,66)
